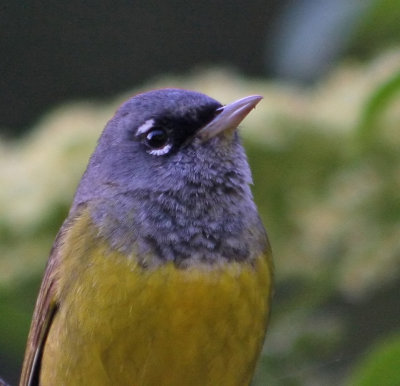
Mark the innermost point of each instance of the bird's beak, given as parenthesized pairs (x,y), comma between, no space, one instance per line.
(229,117)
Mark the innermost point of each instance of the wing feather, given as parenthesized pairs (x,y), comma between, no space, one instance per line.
(45,310)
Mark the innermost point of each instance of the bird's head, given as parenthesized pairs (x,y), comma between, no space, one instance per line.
(165,140)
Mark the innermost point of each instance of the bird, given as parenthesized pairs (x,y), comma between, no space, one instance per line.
(162,272)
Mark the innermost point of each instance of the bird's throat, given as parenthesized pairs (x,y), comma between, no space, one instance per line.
(209,226)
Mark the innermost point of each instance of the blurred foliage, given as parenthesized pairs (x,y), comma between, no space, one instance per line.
(375,106)
(330,203)
(379,29)
(381,366)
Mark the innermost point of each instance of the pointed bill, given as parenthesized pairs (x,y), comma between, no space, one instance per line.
(230,117)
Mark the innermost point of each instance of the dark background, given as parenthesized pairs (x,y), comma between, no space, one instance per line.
(52,51)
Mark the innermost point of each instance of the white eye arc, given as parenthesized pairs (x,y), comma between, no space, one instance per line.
(143,129)
(162,151)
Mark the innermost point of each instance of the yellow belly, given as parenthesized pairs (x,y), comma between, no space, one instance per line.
(120,324)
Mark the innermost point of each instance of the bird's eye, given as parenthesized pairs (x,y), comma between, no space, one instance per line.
(156,138)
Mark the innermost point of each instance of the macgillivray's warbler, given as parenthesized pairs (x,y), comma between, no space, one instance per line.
(161,273)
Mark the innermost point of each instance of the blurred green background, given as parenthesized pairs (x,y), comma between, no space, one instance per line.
(324,150)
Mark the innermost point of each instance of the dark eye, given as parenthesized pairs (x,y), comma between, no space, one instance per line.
(156,138)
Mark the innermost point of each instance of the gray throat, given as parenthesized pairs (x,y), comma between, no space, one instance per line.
(208,225)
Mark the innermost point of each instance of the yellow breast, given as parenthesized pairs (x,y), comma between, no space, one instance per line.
(121,324)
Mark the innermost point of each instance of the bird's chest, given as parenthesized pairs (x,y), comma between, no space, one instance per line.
(128,325)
